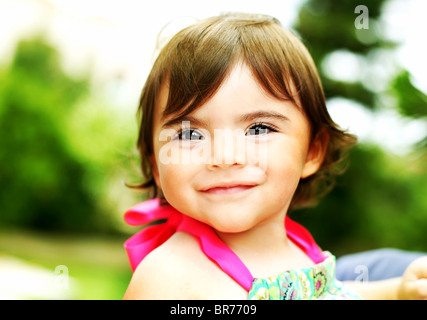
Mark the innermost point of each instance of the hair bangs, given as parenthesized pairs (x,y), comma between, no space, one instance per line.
(199,61)
(268,62)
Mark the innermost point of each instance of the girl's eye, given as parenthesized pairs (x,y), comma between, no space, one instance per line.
(259,129)
(189,134)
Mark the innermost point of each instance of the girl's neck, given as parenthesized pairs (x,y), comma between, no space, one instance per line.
(266,249)
(265,235)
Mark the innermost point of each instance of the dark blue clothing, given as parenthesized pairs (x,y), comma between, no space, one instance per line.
(374,265)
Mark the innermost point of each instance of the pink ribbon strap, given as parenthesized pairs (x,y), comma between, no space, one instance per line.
(149,238)
(152,236)
(304,240)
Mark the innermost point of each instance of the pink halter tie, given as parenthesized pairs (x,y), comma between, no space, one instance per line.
(149,238)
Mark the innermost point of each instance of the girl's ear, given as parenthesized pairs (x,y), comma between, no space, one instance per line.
(316,154)
(154,170)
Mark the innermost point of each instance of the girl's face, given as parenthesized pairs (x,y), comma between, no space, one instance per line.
(235,161)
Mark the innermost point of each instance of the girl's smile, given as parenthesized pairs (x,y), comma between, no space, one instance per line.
(229,187)
(227,190)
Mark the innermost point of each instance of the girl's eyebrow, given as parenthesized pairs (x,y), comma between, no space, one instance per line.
(247,117)
(194,121)
(252,116)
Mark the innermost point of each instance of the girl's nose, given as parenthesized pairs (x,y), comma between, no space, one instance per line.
(228,149)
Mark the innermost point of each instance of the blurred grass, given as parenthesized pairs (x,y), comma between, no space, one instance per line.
(97,265)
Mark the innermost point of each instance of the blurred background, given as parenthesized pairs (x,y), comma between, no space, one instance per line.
(70,76)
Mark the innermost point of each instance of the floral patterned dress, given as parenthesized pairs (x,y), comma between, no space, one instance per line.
(314,283)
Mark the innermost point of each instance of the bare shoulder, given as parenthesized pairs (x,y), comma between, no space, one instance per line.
(178,269)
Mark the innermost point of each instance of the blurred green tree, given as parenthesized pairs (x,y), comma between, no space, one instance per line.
(328,26)
(410,101)
(380,200)
(42,182)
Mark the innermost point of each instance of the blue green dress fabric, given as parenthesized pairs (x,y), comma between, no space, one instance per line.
(313,283)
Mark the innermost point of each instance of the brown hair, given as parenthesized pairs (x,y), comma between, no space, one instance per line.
(195,62)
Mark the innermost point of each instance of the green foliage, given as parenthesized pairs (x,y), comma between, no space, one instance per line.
(42,184)
(380,201)
(410,101)
(50,171)
(327,26)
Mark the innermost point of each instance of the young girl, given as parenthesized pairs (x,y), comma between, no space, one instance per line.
(234,133)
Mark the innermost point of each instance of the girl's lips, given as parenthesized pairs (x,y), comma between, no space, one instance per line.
(228,190)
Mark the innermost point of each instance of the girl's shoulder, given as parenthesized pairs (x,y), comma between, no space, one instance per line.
(178,269)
